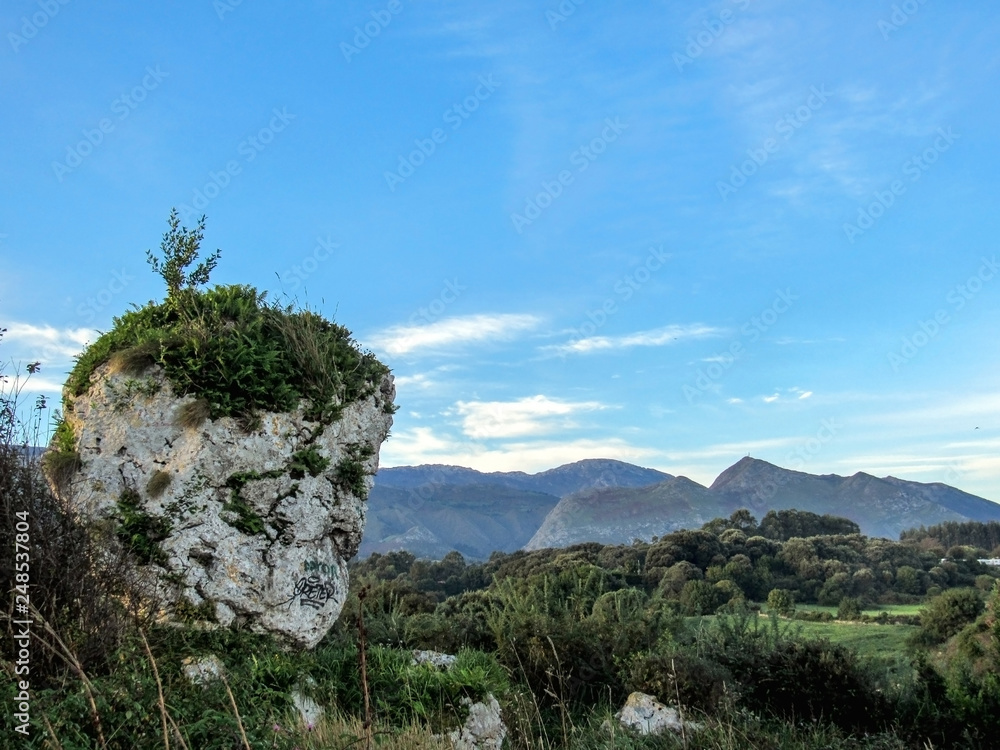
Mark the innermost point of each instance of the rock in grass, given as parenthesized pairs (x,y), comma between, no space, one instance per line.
(434,658)
(483,729)
(310,712)
(234,526)
(203,670)
(647,715)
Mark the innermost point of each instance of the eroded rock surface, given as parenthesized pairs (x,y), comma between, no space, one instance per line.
(240,527)
(647,715)
(484,728)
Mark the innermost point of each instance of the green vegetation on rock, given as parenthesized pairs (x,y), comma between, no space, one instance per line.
(307,461)
(247,520)
(350,472)
(139,531)
(229,346)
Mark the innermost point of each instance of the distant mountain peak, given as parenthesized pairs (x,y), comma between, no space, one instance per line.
(433,509)
(749,471)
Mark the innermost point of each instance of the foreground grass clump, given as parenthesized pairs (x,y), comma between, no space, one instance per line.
(128,702)
(230,348)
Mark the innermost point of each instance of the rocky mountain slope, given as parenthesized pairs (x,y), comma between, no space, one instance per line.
(431,510)
(562,480)
(880,506)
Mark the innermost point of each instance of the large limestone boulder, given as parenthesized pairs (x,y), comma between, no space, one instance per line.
(251,526)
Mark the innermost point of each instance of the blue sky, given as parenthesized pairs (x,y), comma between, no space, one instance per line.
(667,233)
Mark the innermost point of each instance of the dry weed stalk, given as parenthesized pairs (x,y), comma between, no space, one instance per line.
(236,711)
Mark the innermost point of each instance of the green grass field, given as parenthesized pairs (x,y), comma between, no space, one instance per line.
(868,639)
(892,609)
(884,642)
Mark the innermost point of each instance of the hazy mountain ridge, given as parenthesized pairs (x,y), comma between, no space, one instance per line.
(433,509)
(433,519)
(880,506)
(650,511)
(562,480)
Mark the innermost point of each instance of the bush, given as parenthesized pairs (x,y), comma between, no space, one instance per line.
(229,347)
(677,675)
(849,609)
(950,612)
(782,602)
(701,598)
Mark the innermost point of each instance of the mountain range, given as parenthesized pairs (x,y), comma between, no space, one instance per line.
(433,509)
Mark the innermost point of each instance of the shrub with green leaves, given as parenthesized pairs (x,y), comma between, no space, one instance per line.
(781,601)
(950,612)
(232,348)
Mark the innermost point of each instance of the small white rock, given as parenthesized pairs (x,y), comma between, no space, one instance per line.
(434,658)
(647,715)
(203,670)
(309,710)
(483,729)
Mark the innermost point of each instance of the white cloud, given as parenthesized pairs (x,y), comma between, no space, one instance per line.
(778,395)
(534,415)
(655,337)
(422,446)
(419,380)
(451,332)
(36,384)
(46,343)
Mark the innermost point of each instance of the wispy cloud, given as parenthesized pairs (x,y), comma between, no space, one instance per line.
(790,340)
(47,343)
(37,384)
(656,337)
(534,415)
(452,333)
(423,445)
(784,394)
(419,380)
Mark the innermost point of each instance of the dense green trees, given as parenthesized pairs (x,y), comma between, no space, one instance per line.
(713,565)
(593,622)
(785,524)
(977,534)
